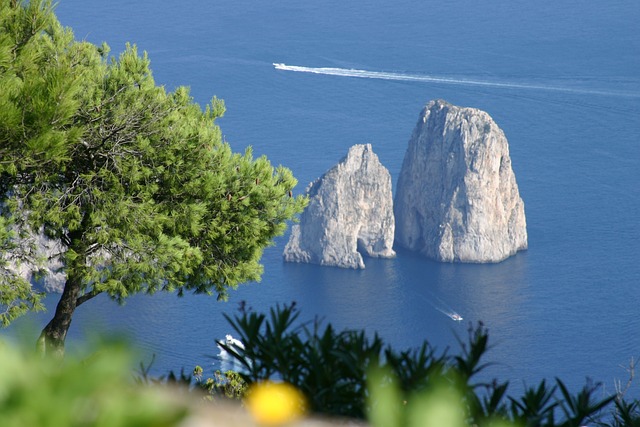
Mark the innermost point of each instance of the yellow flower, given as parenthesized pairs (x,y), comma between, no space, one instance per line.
(273,403)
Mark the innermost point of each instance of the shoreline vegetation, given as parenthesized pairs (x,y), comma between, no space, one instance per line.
(296,373)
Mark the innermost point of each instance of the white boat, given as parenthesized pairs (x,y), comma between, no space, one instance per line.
(230,341)
(226,361)
(456,317)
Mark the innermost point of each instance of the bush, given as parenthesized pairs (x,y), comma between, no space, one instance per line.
(345,373)
(340,373)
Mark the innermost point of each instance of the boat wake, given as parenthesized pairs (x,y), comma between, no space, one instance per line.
(451,314)
(425,78)
(227,361)
(441,306)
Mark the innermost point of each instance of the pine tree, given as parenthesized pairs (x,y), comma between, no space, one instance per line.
(135,182)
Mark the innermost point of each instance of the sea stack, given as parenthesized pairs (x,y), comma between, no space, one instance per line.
(457,199)
(350,214)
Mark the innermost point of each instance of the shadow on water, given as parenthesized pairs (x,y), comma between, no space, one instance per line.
(409,298)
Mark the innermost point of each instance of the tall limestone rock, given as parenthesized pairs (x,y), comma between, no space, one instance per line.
(350,213)
(457,199)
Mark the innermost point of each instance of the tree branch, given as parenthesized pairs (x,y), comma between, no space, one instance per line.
(86,297)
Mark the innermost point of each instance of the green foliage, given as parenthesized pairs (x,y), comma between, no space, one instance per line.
(227,385)
(136,183)
(329,367)
(16,295)
(345,373)
(96,391)
(626,414)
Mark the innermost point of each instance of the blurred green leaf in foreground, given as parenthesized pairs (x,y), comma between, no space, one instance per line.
(95,391)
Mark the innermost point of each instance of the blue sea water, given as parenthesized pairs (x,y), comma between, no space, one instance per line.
(561,78)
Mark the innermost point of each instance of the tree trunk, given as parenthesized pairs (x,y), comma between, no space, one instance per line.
(51,341)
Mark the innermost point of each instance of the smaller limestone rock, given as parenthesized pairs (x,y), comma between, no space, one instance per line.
(350,213)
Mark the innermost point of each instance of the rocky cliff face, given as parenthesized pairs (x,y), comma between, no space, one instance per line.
(50,277)
(457,197)
(350,213)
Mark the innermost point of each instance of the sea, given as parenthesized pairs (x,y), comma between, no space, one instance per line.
(560,77)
